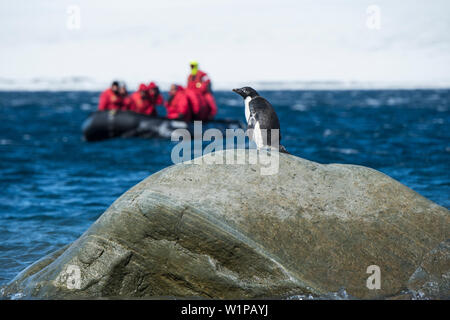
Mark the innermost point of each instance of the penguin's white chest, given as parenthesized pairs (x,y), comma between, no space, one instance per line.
(255,134)
(247,108)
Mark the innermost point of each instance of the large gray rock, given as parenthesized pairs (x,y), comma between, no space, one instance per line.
(226,231)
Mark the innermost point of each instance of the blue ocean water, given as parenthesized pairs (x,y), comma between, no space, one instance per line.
(54,185)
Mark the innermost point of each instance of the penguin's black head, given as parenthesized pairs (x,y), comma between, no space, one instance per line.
(245,92)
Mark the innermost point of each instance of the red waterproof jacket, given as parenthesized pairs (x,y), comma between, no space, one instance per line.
(128,104)
(109,101)
(202,84)
(156,100)
(199,82)
(155,97)
(198,104)
(212,107)
(143,106)
(178,106)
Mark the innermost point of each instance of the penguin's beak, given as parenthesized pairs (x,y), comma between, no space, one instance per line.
(238,91)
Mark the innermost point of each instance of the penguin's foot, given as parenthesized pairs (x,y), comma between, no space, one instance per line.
(282,149)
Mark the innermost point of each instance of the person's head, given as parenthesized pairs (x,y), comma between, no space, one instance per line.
(153,89)
(123,90)
(115,87)
(143,90)
(174,89)
(194,67)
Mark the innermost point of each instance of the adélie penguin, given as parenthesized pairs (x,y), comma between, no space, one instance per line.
(261,120)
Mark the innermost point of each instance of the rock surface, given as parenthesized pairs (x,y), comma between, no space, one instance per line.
(226,231)
(432,277)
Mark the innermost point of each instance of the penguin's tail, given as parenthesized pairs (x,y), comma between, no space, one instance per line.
(282,149)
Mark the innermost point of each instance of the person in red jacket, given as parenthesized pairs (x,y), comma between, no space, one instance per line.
(199,81)
(198,105)
(142,102)
(155,96)
(178,105)
(110,99)
(127,102)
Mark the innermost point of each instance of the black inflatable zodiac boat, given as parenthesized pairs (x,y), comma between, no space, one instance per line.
(103,125)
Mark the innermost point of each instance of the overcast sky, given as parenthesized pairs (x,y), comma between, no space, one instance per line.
(234,41)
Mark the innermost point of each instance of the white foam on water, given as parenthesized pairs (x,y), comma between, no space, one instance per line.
(327,133)
(299,107)
(86,107)
(5,142)
(343,150)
